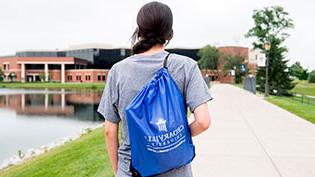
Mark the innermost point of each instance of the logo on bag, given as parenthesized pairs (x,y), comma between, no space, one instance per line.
(161,124)
(165,142)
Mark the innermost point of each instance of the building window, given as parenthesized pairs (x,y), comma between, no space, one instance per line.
(104,77)
(98,77)
(6,67)
(122,52)
(78,78)
(87,78)
(69,77)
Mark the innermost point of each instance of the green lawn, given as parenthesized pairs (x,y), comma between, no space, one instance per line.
(303,110)
(85,156)
(306,111)
(303,87)
(239,85)
(52,85)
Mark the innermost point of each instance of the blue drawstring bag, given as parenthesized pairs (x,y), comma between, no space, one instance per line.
(158,128)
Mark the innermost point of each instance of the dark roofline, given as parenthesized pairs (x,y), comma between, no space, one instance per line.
(7,56)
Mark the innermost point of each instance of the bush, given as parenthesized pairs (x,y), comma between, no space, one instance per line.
(93,87)
(311,77)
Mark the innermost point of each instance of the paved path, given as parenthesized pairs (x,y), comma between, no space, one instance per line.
(250,137)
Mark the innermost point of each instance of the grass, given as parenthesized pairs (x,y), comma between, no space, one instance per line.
(52,85)
(239,85)
(306,111)
(85,156)
(303,87)
(303,110)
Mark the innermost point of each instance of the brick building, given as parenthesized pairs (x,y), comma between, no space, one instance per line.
(74,65)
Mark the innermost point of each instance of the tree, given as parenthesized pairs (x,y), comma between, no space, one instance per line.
(297,70)
(311,77)
(271,25)
(42,77)
(12,76)
(234,63)
(209,57)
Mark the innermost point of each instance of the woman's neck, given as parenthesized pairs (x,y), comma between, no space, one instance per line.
(153,50)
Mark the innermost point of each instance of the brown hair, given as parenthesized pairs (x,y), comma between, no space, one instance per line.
(155,22)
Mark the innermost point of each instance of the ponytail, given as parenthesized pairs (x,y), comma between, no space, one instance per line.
(144,44)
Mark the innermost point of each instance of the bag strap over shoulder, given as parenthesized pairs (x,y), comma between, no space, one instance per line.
(165,60)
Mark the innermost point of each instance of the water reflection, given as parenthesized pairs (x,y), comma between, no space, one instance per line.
(32,118)
(78,105)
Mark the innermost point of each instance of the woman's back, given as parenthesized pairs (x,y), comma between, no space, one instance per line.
(127,78)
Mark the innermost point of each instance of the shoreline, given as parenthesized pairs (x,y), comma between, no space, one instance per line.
(53,85)
(22,157)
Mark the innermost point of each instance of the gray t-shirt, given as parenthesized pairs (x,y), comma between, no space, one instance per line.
(128,77)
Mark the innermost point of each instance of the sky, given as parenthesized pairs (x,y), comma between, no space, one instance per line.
(57,24)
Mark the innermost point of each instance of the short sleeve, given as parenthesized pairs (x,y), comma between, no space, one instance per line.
(109,101)
(196,89)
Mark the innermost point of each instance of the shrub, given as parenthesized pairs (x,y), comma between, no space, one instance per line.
(311,77)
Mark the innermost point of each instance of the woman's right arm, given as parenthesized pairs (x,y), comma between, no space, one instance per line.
(197,97)
(111,139)
(202,120)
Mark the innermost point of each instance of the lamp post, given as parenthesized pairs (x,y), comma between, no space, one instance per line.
(267,46)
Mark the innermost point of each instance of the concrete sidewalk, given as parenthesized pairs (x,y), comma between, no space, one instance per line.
(250,137)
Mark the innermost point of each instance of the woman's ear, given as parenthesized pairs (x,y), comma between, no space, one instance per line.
(168,39)
(171,35)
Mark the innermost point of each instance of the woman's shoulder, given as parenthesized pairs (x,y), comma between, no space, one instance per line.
(181,61)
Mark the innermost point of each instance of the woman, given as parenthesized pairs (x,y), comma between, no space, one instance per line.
(127,78)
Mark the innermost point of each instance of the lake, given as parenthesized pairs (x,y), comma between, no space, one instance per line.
(33,118)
